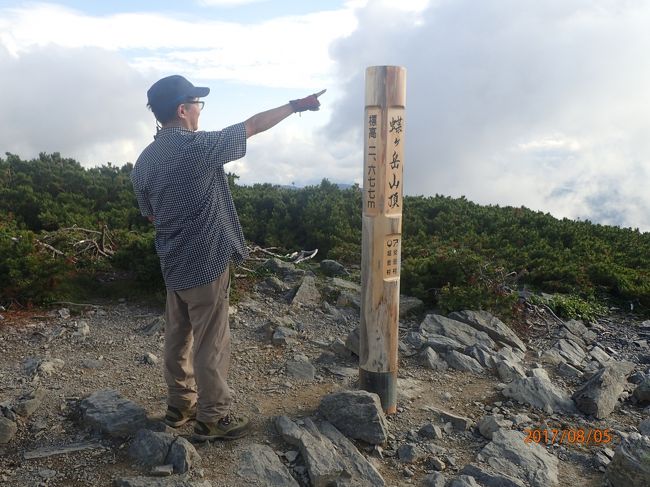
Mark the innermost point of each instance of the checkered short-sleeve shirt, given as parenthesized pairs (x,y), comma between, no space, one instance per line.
(179,180)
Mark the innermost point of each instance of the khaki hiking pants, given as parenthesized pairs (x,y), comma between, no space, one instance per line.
(197,348)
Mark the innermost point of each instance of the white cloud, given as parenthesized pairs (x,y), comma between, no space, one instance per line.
(289,51)
(542,104)
(85,103)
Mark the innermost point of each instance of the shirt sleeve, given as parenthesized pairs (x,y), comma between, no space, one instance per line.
(226,145)
(143,201)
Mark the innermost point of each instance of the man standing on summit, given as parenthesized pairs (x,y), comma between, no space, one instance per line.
(181,187)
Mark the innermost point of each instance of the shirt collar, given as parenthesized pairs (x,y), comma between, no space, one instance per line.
(167,131)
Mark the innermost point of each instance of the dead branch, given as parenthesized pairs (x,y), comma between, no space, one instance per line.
(50,248)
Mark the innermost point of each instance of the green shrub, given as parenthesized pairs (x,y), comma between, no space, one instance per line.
(28,274)
(137,253)
(572,307)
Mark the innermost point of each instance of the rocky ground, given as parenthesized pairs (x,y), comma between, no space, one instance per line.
(81,389)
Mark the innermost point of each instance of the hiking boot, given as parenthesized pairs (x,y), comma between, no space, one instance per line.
(227,428)
(178,417)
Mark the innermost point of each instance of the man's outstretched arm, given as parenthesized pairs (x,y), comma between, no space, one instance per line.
(265,120)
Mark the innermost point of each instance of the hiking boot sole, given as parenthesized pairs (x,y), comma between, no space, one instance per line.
(235,435)
(176,424)
(181,422)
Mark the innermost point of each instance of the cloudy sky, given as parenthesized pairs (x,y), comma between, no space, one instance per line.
(543,104)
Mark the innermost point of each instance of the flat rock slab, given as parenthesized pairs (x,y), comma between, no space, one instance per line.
(538,391)
(459,423)
(442,344)
(301,368)
(362,473)
(261,466)
(489,478)
(324,464)
(509,370)
(571,351)
(599,395)
(461,332)
(509,455)
(28,404)
(432,360)
(110,413)
(464,363)
(493,326)
(492,423)
(307,293)
(7,430)
(357,414)
(630,466)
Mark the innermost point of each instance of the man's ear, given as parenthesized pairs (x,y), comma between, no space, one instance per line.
(181,111)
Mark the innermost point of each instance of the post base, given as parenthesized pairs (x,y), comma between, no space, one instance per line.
(384,384)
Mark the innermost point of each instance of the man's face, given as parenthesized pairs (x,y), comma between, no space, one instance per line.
(190,112)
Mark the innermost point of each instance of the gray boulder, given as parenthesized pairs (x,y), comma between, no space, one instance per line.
(360,471)
(569,371)
(357,414)
(283,336)
(259,465)
(150,448)
(462,362)
(300,368)
(157,448)
(27,405)
(630,466)
(432,360)
(579,329)
(108,412)
(280,268)
(600,356)
(307,294)
(571,352)
(644,427)
(492,423)
(330,457)
(509,455)
(466,335)
(599,395)
(494,327)
(323,463)
(482,355)
(352,341)
(642,392)
(332,268)
(509,370)
(409,453)
(538,391)
(7,430)
(435,479)
(442,344)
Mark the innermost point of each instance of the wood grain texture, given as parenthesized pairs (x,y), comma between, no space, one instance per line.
(382,229)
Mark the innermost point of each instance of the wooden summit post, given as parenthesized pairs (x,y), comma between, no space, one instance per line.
(382,231)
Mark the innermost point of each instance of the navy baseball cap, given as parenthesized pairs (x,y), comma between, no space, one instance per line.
(169,92)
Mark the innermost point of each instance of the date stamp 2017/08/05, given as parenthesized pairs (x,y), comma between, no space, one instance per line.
(571,436)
